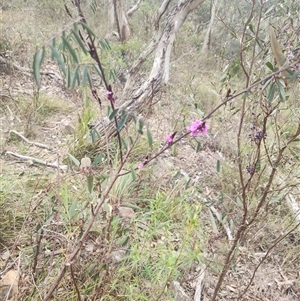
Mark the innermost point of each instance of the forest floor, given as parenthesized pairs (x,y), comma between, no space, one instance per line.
(45,127)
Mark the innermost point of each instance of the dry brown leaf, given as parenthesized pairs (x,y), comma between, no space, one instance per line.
(126,212)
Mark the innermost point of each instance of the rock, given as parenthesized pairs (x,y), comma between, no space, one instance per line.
(9,285)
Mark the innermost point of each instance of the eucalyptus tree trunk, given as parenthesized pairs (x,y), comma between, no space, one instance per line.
(207,40)
(135,102)
(121,20)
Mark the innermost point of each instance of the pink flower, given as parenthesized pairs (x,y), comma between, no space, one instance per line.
(169,138)
(198,127)
(110,95)
(142,164)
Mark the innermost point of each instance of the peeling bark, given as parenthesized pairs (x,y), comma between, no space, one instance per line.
(159,75)
(122,20)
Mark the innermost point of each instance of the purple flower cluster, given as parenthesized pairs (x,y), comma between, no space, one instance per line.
(251,169)
(257,134)
(198,127)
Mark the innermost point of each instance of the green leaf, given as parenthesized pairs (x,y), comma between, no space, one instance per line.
(79,41)
(96,67)
(213,222)
(37,62)
(198,147)
(93,6)
(266,84)
(71,50)
(104,44)
(73,209)
(85,27)
(69,77)
(74,160)
(149,137)
(108,110)
(94,135)
(98,159)
(90,181)
(294,75)
(271,92)
(90,79)
(113,75)
(133,174)
(174,150)
(122,241)
(258,166)
(113,114)
(122,122)
(270,9)
(270,66)
(281,87)
(251,28)
(141,125)
(56,56)
(124,143)
(218,165)
(86,77)
(75,78)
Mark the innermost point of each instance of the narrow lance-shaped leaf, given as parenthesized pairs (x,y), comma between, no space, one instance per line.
(141,125)
(69,77)
(53,42)
(113,114)
(90,181)
(56,56)
(149,137)
(74,160)
(79,41)
(73,209)
(271,92)
(276,48)
(86,77)
(71,50)
(96,67)
(112,75)
(124,143)
(218,165)
(281,86)
(270,66)
(37,62)
(122,122)
(104,44)
(87,29)
(75,77)
(133,174)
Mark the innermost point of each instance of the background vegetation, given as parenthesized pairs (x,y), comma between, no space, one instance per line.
(212,217)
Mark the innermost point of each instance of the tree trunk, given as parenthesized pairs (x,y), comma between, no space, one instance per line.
(134,103)
(133,8)
(122,20)
(206,43)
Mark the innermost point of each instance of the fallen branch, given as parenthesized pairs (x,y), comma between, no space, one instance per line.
(35,160)
(199,284)
(41,145)
(29,71)
(224,224)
